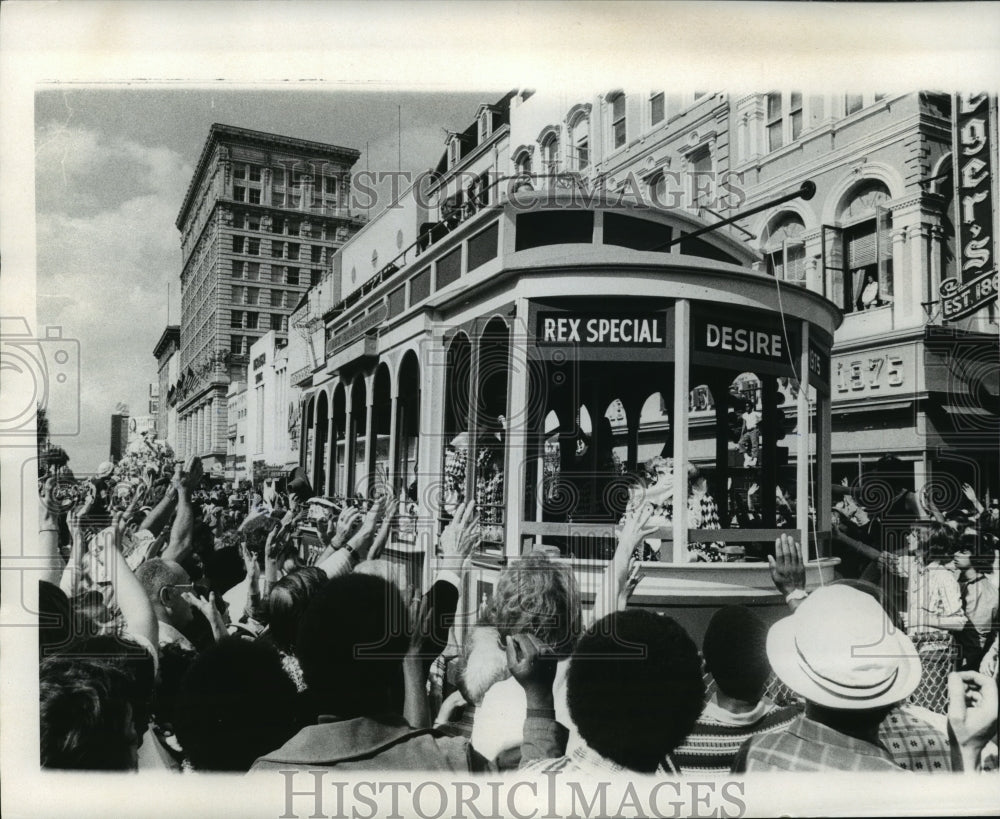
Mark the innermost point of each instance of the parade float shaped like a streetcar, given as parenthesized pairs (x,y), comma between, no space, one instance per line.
(560,358)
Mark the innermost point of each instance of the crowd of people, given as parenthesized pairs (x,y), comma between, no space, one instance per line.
(186,628)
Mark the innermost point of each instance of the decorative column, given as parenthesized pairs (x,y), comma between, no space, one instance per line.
(369,457)
(331,443)
(679,422)
(315,454)
(935,260)
(395,482)
(802,447)
(516,448)
(349,441)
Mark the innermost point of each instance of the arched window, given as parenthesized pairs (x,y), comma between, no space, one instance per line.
(617,112)
(522,162)
(322,429)
(784,249)
(550,154)
(458,388)
(867,250)
(490,435)
(408,429)
(579,141)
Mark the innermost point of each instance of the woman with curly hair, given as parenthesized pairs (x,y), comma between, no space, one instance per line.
(536,596)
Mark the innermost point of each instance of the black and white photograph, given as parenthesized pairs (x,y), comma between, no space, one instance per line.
(504,409)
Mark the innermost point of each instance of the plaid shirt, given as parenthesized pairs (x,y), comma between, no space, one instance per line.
(809,747)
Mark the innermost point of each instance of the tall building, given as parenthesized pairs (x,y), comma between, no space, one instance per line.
(236,450)
(260,219)
(168,369)
(272,450)
(119,435)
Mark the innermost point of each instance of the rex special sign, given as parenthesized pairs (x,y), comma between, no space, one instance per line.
(642,330)
(974,149)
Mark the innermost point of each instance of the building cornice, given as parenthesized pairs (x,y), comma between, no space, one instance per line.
(172,333)
(221,134)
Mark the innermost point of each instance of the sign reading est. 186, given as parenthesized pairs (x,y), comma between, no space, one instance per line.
(602,329)
(973,150)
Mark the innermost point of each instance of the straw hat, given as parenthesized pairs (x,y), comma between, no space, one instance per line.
(840,650)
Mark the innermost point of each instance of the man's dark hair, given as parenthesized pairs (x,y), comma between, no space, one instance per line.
(59,622)
(235,704)
(225,569)
(350,645)
(130,657)
(735,652)
(938,540)
(84,715)
(175,660)
(287,602)
(635,687)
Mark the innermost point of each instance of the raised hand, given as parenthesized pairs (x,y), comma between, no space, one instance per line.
(422,646)
(348,522)
(531,663)
(462,534)
(211,612)
(193,472)
(385,527)
(787,570)
(249,561)
(972,713)
(362,540)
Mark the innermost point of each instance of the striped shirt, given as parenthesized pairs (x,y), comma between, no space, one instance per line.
(716,738)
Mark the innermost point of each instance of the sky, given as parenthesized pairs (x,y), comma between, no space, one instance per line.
(112,165)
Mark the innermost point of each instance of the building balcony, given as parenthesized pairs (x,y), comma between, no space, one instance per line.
(300,376)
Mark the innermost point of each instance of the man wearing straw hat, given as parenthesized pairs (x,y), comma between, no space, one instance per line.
(840,652)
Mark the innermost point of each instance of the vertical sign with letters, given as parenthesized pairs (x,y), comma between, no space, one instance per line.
(973,146)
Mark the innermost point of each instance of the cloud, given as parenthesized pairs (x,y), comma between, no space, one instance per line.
(107,247)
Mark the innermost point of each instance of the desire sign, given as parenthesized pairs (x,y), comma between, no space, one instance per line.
(644,330)
(722,336)
(973,147)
